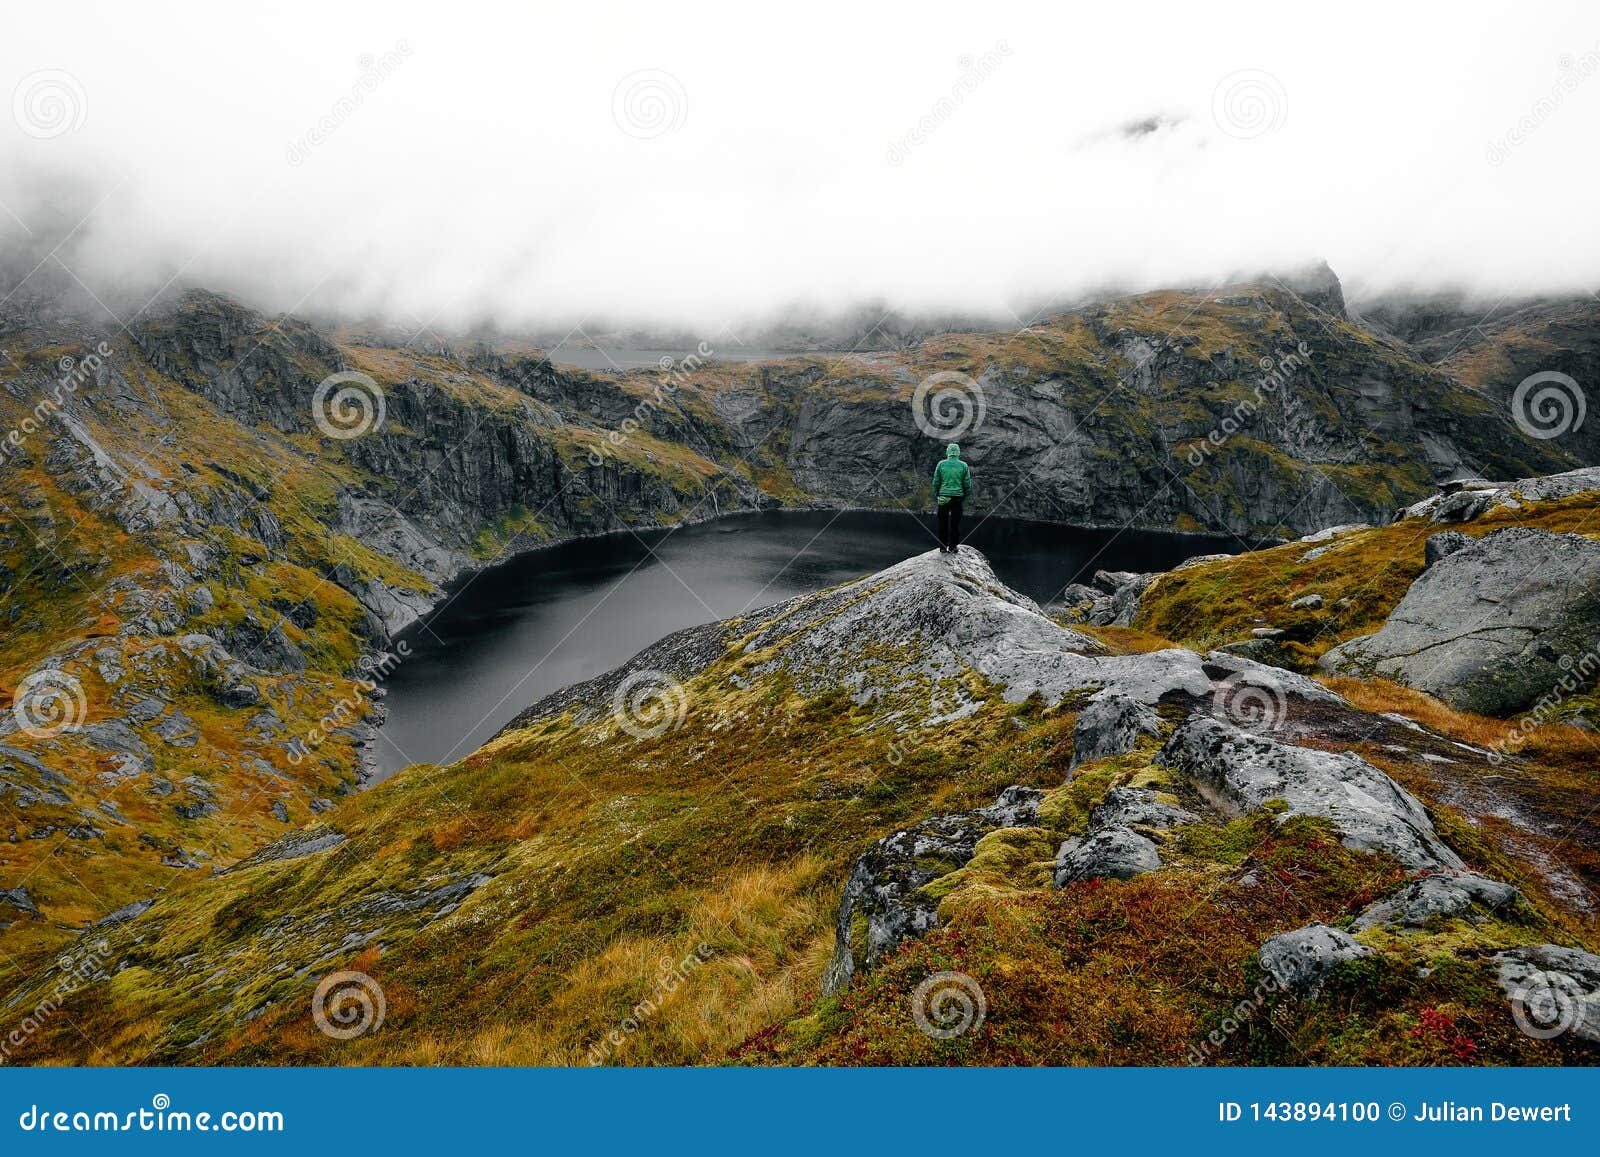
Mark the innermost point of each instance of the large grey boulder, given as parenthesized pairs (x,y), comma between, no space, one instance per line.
(1438,896)
(1489,627)
(1237,771)
(1553,990)
(1301,960)
(1112,849)
(1125,589)
(1442,545)
(1112,853)
(1137,807)
(1111,724)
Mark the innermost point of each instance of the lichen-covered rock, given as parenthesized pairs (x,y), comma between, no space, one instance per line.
(1443,545)
(1462,504)
(1238,770)
(1110,853)
(1137,807)
(1111,724)
(1553,990)
(1079,604)
(294,846)
(884,893)
(1301,960)
(1125,589)
(126,913)
(1017,807)
(1241,674)
(15,902)
(1488,627)
(1438,896)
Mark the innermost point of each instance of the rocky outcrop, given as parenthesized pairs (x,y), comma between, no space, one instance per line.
(1111,724)
(1136,807)
(17,902)
(1111,853)
(1465,501)
(1553,990)
(909,638)
(1300,961)
(1441,895)
(884,891)
(1442,545)
(1117,845)
(1490,626)
(1239,770)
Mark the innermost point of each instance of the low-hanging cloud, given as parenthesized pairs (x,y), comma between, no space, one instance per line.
(699,166)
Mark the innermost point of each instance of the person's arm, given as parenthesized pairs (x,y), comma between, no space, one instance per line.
(936,481)
(966,482)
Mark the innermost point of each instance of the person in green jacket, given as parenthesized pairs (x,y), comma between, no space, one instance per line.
(952,482)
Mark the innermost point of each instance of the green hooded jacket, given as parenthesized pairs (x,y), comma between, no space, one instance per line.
(951,478)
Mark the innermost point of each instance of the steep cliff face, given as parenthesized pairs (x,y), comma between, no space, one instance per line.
(447,444)
(1257,411)
(1496,346)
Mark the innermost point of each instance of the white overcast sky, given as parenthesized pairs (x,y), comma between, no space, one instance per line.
(489,173)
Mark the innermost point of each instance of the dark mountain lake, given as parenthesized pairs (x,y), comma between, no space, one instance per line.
(544,620)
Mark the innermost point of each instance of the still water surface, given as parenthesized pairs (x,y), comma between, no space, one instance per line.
(545,620)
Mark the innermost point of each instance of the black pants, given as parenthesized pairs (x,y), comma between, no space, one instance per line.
(950,524)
